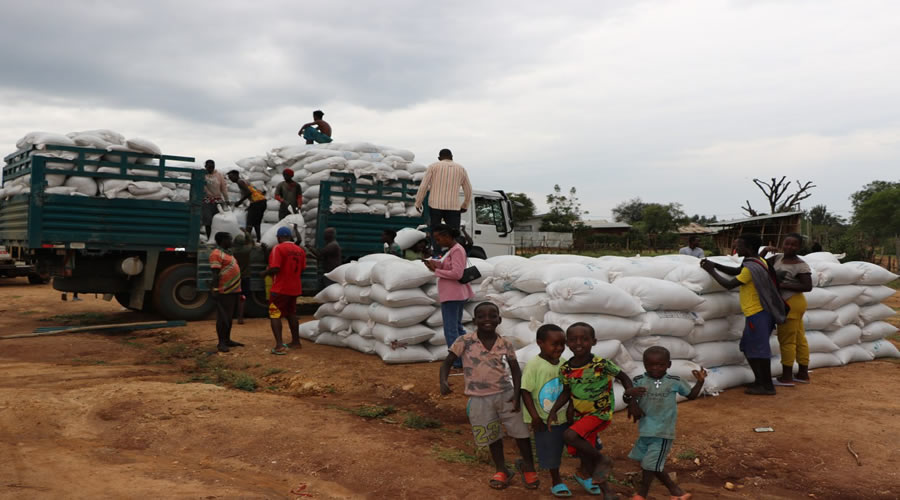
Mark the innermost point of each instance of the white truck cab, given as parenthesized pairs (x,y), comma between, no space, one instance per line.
(489,222)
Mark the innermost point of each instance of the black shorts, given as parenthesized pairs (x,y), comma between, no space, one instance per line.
(255,213)
(209,210)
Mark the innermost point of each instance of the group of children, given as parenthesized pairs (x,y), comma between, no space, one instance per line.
(567,404)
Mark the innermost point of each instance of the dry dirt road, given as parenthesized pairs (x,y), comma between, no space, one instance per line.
(150,415)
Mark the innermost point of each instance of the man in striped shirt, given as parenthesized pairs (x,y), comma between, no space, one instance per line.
(443,179)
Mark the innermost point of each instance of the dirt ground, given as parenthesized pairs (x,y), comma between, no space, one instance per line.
(150,414)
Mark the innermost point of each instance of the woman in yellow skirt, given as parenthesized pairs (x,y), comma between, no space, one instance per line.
(794,278)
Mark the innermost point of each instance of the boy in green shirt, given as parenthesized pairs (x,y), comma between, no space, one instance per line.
(540,388)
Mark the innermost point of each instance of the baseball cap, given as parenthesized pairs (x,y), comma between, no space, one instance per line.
(283,231)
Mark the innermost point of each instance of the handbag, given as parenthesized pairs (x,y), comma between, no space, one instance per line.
(471,273)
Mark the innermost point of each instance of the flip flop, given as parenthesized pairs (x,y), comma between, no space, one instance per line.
(588,485)
(779,383)
(278,353)
(529,478)
(500,480)
(801,381)
(561,491)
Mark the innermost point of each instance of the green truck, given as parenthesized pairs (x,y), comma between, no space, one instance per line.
(148,255)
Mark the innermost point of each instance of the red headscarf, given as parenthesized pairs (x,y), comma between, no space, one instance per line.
(289,172)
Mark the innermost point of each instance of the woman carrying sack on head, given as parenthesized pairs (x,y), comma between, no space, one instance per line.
(451,293)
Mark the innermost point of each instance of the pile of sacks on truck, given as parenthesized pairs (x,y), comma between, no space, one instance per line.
(311,165)
(387,306)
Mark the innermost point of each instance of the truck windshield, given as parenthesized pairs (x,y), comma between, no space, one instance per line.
(489,211)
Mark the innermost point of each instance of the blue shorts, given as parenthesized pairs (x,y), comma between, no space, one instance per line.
(755,340)
(550,445)
(651,452)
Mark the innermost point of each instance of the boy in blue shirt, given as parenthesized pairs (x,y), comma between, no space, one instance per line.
(656,414)
(540,388)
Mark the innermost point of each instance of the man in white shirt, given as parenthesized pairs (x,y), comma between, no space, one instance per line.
(693,249)
(443,179)
(214,192)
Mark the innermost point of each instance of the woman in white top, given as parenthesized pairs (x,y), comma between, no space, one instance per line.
(794,278)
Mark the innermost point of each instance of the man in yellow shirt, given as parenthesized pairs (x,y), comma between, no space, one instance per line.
(761,304)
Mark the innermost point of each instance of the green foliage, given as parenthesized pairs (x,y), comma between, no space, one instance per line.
(243,381)
(522,206)
(868,190)
(629,212)
(565,211)
(687,455)
(820,216)
(414,421)
(879,213)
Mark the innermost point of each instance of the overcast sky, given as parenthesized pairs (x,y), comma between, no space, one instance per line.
(671,101)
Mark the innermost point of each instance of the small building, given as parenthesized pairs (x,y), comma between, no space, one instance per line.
(771,228)
(602,226)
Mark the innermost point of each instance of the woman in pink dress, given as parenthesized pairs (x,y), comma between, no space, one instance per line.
(452,294)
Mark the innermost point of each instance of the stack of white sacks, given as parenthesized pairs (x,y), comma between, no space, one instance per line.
(112,142)
(315,163)
(387,306)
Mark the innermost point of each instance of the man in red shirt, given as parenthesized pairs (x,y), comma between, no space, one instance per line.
(286,262)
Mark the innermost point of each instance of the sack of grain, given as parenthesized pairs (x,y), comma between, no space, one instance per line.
(585,296)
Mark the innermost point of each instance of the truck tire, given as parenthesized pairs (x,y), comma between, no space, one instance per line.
(175,295)
(37,279)
(124,299)
(256,305)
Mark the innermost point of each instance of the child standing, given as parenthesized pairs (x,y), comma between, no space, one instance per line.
(656,415)
(540,389)
(587,381)
(493,397)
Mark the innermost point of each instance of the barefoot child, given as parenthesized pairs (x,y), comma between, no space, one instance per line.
(540,388)
(656,415)
(493,397)
(588,381)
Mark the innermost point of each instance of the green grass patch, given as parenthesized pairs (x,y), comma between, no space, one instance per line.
(212,370)
(372,411)
(454,455)
(414,421)
(686,455)
(243,381)
(177,351)
(89,361)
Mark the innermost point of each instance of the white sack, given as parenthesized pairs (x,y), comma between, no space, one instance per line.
(536,278)
(659,295)
(359,343)
(823,360)
(407,237)
(413,334)
(718,329)
(400,298)
(583,295)
(819,319)
(309,330)
(872,274)
(719,305)
(337,274)
(871,314)
(694,278)
(359,273)
(820,298)
(881,349)
(399,316)
(143,146)
(711,354)
(846,335)
(331,293)
(877,330)
(606,327)
(334,324)
(224,222)
(328,338)
(845,294)
(873,294)
(853,354)
(530,307)
(399,274)
(678,349)
(407,354)
(725,377)
(270,238)
(672,323)
(831,274)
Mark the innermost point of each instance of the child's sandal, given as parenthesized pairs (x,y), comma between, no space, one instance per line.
(561,491)
(501,480)
(530,478)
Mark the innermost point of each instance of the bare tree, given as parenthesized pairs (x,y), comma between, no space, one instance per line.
(775,191)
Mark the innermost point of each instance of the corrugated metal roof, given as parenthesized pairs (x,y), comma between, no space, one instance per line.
(694,228)
(605,224)
(753,219)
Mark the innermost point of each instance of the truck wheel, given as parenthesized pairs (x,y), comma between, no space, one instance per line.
(175,295)
(124,298)
(37,279)
(256,305)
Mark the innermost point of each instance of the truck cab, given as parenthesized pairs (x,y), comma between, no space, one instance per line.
(489,222)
